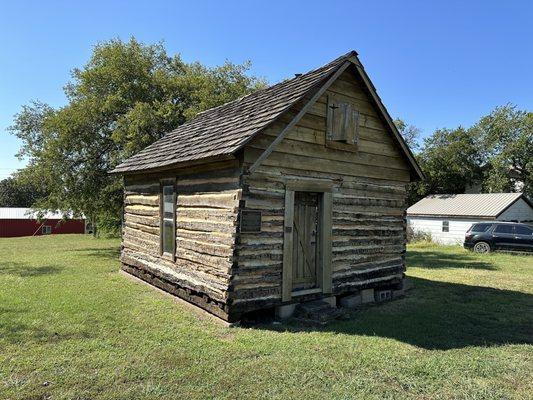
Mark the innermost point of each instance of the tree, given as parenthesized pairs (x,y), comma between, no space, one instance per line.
(14,192)
(451,160)
(126,97)
(410,134)
(506,135)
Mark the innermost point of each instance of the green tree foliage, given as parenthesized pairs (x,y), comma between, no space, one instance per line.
(410,133)
(451,160)
(507,146)
(16,192)
(126,97)
(494,155)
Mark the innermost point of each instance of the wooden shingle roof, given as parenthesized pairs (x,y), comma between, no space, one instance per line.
(225,129)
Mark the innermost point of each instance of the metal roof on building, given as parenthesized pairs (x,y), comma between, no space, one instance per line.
(28,213)
(463,205)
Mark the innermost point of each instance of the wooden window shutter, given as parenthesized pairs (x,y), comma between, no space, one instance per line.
(352,125)
(342,121)
(335,119)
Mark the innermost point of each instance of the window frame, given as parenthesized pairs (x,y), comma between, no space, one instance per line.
(162,184)
(445,227)
(46,230)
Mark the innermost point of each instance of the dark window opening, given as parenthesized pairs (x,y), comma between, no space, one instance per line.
(446,226)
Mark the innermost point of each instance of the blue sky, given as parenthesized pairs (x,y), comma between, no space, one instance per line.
(435,63)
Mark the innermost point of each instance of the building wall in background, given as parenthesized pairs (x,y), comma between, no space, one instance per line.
(31,227)
(520,211)
(433,226)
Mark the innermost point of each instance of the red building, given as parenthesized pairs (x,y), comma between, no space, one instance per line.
(23,222)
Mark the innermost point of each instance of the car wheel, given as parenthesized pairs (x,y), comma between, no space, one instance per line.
(482,247)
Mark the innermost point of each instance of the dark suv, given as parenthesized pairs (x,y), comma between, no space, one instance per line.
(487,236)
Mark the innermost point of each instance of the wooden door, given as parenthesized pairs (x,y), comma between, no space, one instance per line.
(305,237)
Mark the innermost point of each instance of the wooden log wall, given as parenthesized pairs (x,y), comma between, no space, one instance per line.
(368,238)
(207,205)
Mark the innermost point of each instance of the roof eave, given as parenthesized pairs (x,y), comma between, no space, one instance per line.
(176,165)
(451,216)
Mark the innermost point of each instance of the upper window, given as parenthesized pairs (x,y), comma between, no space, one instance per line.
(504,229)
(523,230)
(342,121)
(480,227)
(168,231)
(446,226)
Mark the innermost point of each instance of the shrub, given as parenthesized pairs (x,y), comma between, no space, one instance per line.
(417,236)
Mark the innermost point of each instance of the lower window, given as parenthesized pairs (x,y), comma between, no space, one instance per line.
(46,229)
(168,214)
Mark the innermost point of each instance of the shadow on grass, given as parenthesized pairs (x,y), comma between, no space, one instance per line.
(14,331)
(436,259)
(27,270)
(443,316)
(106,252)
(18,333)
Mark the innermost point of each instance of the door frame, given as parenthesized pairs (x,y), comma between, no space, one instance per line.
(324,280)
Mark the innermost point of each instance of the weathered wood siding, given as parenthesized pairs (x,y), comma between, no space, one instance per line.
(368,237)
(207,204)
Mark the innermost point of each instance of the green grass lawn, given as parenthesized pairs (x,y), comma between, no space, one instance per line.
(72,327)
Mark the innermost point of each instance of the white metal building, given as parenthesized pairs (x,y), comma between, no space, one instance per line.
(447,217)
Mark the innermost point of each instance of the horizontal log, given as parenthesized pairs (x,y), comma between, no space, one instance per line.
(340,198)
(212,181)
(142,189)
(363,259)
(228,200)
(142,199)
(142,219)
(208,214)
(218,264)
(211,237)
(154,230)
(142,210)
(205,226)
(357,284)
(148,237)
(215,249)
(140,246)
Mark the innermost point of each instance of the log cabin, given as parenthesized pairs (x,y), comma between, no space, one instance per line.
(293,193)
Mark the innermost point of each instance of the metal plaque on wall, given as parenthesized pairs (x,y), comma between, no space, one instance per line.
(250,221)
